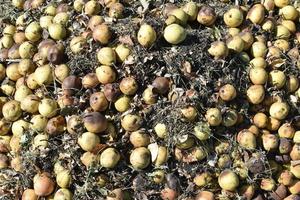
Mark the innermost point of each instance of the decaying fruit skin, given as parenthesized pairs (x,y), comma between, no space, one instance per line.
(256,94)
(102,33)
(71,84)
(161,85)
(116,194)
(143,104)
(218,49)
(191,9)
(116,10)
(98,101)
(131,122)
(56,54)
(29,194)
(90,80)
(169,194)
(139,139)
(56,125)
(213,116)
(128,86)
(227,92)
(205,195)
(43,185)
(206,16)
(111,91)
(95,122)
(256,14)
(279,110)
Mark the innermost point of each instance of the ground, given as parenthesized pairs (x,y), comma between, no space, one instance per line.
(189,66)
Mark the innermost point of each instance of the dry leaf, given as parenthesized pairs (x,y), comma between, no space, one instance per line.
(126,39)
(99,148)
(153,148)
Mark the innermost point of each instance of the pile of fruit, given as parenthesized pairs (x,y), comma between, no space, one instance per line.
(144,99)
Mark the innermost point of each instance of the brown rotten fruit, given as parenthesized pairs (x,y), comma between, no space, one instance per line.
(111,91)
(56,125)
(73,124)
(98,101)
(161,85)
(116,10)
(29,194)
(128,86)
(90,80)
(70,84)
(56,54)
(131,122)
(205,195)
(95,122)
(169,194)
(102,33)
(206,16)
(43,185)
